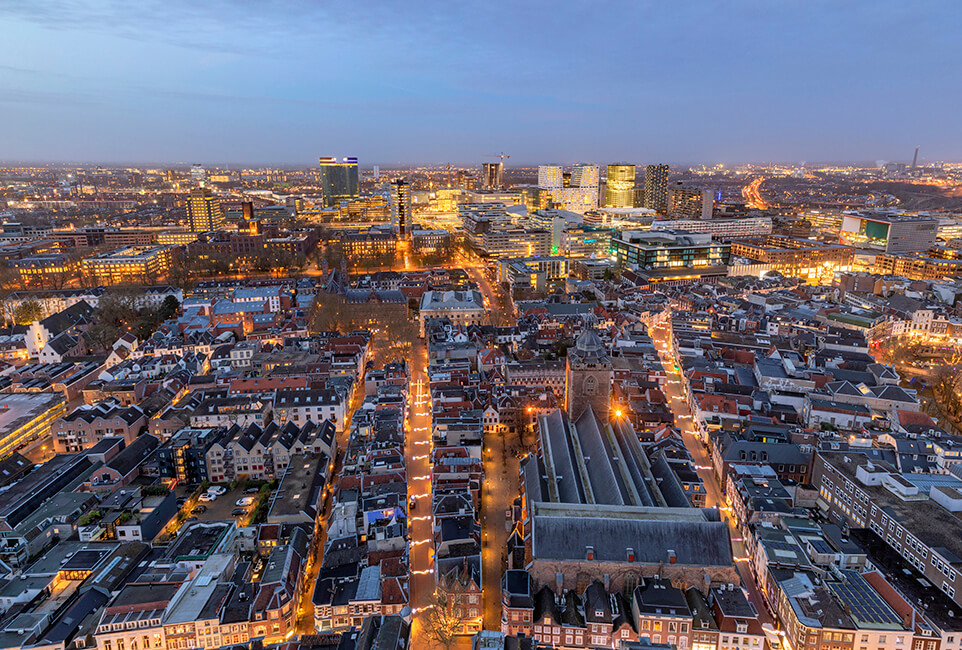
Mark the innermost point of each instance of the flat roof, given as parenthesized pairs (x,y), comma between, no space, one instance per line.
(16,409)
(296,492)
(932,524)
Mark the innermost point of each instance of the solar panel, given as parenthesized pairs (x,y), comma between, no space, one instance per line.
(864,603)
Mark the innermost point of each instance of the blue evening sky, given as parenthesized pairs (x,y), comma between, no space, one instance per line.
(284,81)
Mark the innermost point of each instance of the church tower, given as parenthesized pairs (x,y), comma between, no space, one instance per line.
(588,377)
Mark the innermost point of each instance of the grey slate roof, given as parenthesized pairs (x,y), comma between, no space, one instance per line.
(697,543)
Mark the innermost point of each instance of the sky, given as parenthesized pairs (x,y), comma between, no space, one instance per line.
(286,81)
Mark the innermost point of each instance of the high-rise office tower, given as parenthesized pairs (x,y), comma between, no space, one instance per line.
(204,212)
(492,176)
(656,187)
(576,191)
(690,202)
(400,201)
(377,172)
(586,176)
(198,174)
(620,189)
(550,177)
(338,180)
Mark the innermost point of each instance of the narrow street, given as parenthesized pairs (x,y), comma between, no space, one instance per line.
(714,498)
(305,609)
(499,491)
(417,450)
(492,298)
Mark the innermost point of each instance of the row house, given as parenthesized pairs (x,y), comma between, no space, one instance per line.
(86,425)
(263,453)
(656,613)
(302,406)
(227,411)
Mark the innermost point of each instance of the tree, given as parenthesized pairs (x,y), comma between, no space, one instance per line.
(446,616)
(27,312)
(169,308)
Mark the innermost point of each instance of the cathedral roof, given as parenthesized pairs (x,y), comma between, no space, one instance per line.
(589,345)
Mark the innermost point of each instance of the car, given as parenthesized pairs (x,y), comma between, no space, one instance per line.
(244,501)
(181,501)
(207,497)
(252,490)
(198,510)
(238,512)
(217,489)
(190,519)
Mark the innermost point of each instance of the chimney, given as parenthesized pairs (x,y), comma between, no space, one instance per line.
(671,556)
(631,555)
(589,553)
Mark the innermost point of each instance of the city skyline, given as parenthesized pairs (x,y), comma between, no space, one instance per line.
(229,83)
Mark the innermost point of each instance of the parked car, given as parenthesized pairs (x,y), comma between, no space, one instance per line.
(245,501)
(207,497)
(217,489)
(252,490)
(190,519)
(198,510)
(181,501)
(238,512)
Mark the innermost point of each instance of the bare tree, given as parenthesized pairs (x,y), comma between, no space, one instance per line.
(446,616)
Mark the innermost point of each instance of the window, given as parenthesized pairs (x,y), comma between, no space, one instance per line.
(590,385)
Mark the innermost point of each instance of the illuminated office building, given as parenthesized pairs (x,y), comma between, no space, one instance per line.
(934,264)
(579,193)
(132,264)
(656,187)
(673,257)
(620,186)
(812,261)
(550,177)
(586,241)
(204,212)
(719,228)
(338,180)
(689,202)
(513,241)
(401,206)
(891,232)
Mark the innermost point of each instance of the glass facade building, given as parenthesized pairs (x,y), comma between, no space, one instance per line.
(338,180)
(620,187)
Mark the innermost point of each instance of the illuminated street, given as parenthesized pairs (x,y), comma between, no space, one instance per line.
(417,451)
(499,492)
(674,391)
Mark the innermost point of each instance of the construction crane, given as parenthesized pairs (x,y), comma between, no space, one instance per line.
(501,155)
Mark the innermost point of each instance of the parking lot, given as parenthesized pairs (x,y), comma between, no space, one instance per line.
(223,507)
